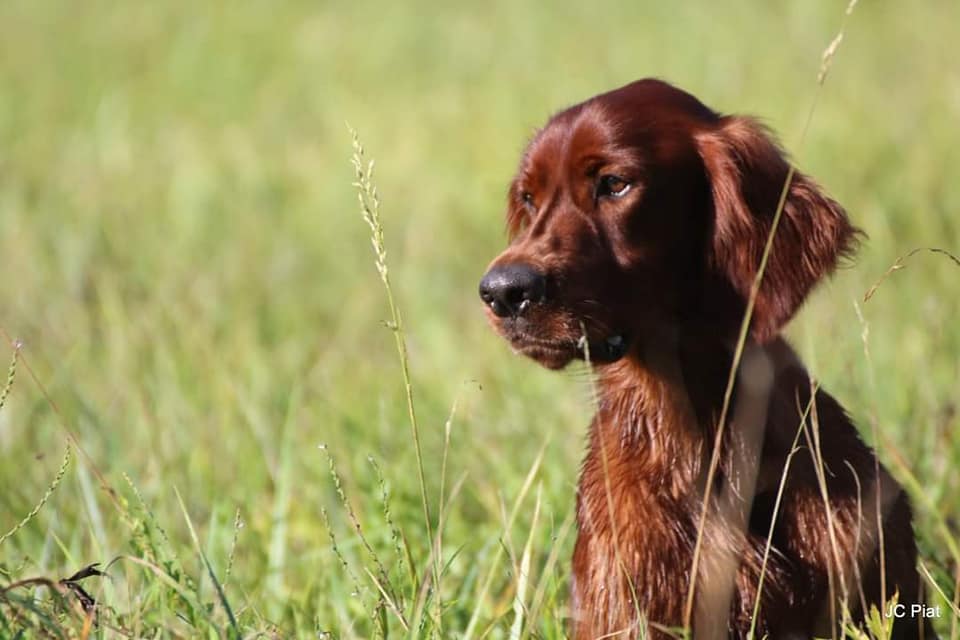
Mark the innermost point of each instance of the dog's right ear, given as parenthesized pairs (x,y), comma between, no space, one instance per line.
(747,171)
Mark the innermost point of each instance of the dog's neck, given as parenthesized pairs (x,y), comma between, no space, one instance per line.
(659,407)
(670,367)
(646,424)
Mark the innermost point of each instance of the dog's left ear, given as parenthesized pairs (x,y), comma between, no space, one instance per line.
(747,170)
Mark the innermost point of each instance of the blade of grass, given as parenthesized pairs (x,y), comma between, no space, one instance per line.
(91,505)
(276,557)
(608,490)
(164,577)
(540,594)
(369,200)
(874,428)
(523,571)
(488,581)
(943,595)
(955,603)
(422,595)
(391,605)
(812,435)
(773,519)
(900,263)
(827,60)
(235,630)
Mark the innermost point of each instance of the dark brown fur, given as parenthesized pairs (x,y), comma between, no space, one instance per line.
(668,264)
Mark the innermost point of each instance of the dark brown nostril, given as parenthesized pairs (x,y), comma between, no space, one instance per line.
(509,290)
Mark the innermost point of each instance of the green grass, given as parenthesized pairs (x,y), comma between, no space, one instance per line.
(183,258)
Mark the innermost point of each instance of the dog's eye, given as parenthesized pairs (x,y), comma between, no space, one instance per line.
(612,186)
(527,198)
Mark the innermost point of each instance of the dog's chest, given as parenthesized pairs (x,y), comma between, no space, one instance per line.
(637,529)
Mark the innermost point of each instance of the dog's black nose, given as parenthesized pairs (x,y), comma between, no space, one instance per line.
(510,289)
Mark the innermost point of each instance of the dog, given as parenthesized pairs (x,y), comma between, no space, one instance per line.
(638,223)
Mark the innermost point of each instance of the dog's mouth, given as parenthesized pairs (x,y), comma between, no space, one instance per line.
(556,354)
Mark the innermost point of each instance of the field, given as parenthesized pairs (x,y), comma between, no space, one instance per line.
(201,326)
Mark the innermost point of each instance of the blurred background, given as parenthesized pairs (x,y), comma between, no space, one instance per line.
(183,258)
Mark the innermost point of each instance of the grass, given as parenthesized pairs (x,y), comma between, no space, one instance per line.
(183,261)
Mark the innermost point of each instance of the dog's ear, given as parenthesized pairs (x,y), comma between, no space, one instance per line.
(747,171)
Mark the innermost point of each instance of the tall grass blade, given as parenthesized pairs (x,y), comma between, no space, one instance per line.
(495,562)
(234,629)
(523,572)
(826,63)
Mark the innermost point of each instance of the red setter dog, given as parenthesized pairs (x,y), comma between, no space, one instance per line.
(638,222)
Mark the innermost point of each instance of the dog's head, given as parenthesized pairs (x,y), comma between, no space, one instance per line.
(641,209)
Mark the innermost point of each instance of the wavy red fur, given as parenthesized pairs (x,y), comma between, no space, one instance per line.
(637,223)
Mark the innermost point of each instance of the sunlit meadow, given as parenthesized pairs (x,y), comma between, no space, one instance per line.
(205,393)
